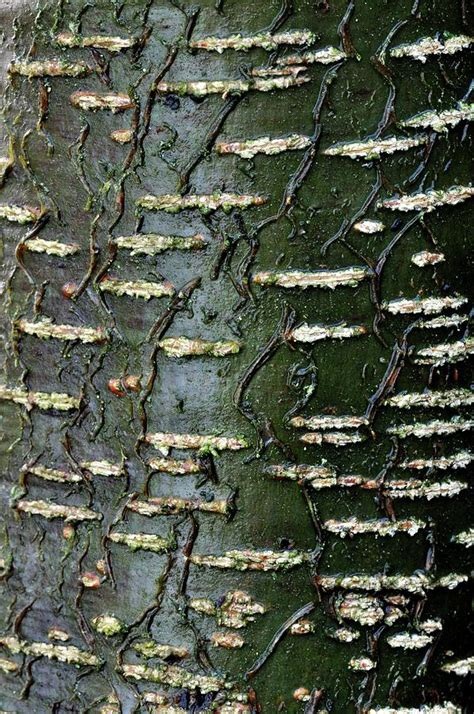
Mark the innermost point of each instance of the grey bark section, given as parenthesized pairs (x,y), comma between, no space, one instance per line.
(218,548)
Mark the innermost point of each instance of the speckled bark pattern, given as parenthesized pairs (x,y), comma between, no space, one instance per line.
(235,396)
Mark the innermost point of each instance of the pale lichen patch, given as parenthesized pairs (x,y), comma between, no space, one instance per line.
(122,136)
(431,428)
(420,489)
(361,664)
(344,634)
(430,200)
(6,164)
(266,40)
(144,541)
(20,214)
(49,474)
(62,653)
(46,329)
(328,422)
(206,203)
(314,333)
(152,244)
(173,676)
(427,46)
(251,147)
(363,609)
(374,148)
(226,87)
(263,560)
(176,467)
(409,641)
(55,633)
(171,505)
(7,666)
(227,640)
(150,648)
(417,583)
(441,121)
(108,625)
(449,398)
(318,279)
(444,321)
(426,306)
(49,68)
(447,353)
(332,438)
(58,510)
(369,226)
(100,42)
(92,101)
(461,667)
(235,610)
(445,708)
(465,538)
(424,258)
(102,468)
(187,347)
(43,400)
(137,288)
(201,442)
(51,247)
(326,55)
(302,627)
(382,527)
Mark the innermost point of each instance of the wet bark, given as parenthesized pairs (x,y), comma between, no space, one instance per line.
(198,391)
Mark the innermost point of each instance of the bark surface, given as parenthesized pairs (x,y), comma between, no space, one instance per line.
(230,243)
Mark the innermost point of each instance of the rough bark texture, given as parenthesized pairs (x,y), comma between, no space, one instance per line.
(206,488)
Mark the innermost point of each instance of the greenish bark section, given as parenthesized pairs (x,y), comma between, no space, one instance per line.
(66,162)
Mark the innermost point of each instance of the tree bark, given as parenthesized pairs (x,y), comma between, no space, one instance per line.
(217,410)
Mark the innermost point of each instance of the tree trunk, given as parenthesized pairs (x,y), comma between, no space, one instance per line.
(205,348)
